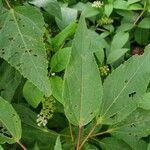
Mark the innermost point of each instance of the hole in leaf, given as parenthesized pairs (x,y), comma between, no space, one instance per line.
(132,94)
(132,125)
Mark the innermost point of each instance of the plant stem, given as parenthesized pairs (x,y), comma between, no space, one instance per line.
(79,137)
(101,133)
(88,136)
(21,145)
(8,4)
(71,133)
(141,14)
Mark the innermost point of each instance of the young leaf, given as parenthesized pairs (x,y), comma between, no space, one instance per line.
(51,6)
(58,144)
(60,38)
(22,46)
(124,86)
(60,59)
(9,120)
(32,94)
(108,9)
(82,83)
(9,81)
(119,40)
(116,54)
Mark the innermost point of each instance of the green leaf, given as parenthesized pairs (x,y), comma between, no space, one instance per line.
(133,142)
(82,84)
(69,15)
(114,143)
(51,6)
(116,54)
(148,148)
(1,148)
(144,101)
(32,132)
(59,40)
(133,1)
(119,40)
(58,144)
(108,9)
(22,44)
(60,59)
(144,23)
(57,85)
(9,81)
(36,147)
(124,86)
(120,4)
(87,9)
(137,124)
(135,6)
(32,94)
(142,36)
(10,120)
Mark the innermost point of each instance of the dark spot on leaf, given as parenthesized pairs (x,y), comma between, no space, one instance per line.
(2,49)
(129,133)
(91,113)
(23,25)
(3,53)
(35,55)
(30,50)
(1,90)
(132,94)
(26,51)
(126,81)
(10,38)
(132,125)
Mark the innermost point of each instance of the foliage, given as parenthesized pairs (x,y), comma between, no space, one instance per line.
(74,75)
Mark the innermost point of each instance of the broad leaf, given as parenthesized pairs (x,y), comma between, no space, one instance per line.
(51,6)
(9,81)
(32,132)
(82,84)
(137,124)
(10,121)
(144,23)
(108,9)
(119,40)
(32,94)
(124,86)
(69,15)
(22,45)
(60,59)
(114,143)
(58,144)
(116,54)
(144,101)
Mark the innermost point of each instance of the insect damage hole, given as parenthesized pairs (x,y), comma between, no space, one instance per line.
(132,94)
